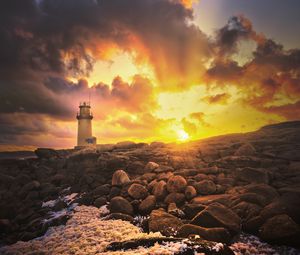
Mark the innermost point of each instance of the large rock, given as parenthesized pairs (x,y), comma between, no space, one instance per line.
(190,192)
(163,222)
(147,205)
(223,199)
(191,210)
(267,192)
(246,210)
(137,191)
(120,177)
(281,229)
(205,187)
(151,166)
(46,153)
(120,205)
(210,234)
(286,204)
(102,190)
(217,215)
(100,201)
(253,175)
(176,184)
(177,198)
(160,190)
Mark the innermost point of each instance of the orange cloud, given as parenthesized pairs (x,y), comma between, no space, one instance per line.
(217,99)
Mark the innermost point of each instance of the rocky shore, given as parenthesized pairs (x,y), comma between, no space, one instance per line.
(198,194)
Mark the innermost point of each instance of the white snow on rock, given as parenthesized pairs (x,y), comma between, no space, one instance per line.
(85,233)
(68,199)
(49,203)
(252,245)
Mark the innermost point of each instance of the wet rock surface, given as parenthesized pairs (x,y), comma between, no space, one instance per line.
(243,182)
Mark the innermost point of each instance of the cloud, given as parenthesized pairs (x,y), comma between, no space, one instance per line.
(217,99)
(289,111)
(44,44)
(194,123)
(224,71)
(237,28)
(268,82)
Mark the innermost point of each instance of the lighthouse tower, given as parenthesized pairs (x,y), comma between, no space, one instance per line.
(84,117)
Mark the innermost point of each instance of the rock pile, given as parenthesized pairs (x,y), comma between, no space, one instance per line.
(214,188)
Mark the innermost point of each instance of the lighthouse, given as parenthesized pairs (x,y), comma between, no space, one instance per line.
(84,117)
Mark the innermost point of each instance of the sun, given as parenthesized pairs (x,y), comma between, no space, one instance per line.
(182,135)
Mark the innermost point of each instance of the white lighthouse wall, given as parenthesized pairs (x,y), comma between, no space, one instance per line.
(84,132)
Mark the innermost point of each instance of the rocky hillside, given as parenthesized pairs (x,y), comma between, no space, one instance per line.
(215,188)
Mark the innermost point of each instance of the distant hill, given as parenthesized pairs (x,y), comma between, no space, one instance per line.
(17,154)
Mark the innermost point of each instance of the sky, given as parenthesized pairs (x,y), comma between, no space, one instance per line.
(155,70)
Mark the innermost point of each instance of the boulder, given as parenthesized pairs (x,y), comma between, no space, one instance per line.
(250,198)
(114,191)
(201,177)
(100,201)
(190,192)
(160,190)
(102,190)
(161,221)
(280,229)
(253,175)
(165,176)
(135,167)
(150,167)
(147,205)
(186,172)
(223,199)
(210,234)
(137,191)
(120,205)
(286,204)
(246,149)
(246,210)
(119,178)
(176,184)
(264,190)
(191,210)
(46,153)
(163,169)
(148,177)
(205,187)
(177,198)
(217,215)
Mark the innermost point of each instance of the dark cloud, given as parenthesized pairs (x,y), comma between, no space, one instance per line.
(224,71)
(55,38)
(30,97)
(289,111)
(270,78)
(237,28)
